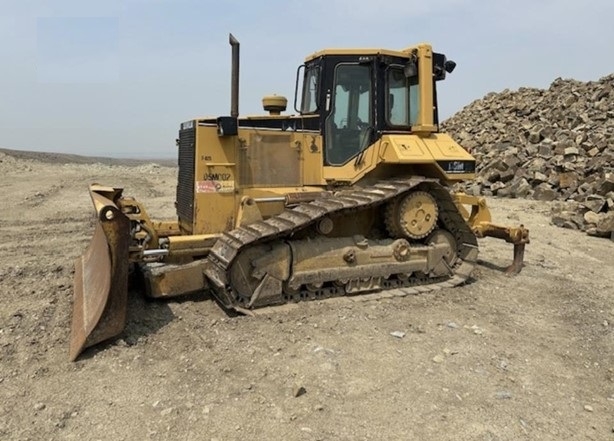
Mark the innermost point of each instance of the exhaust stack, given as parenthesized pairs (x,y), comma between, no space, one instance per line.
(234,91)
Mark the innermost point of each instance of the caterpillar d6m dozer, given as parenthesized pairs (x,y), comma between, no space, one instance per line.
(351,194)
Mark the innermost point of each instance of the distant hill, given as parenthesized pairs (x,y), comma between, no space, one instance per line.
(65,158)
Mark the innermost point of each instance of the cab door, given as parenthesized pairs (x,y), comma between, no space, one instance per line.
(349,124)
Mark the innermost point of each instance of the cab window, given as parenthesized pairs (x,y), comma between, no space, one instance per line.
(309,103)
(403,100)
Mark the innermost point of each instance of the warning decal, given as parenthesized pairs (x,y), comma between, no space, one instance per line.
(211,186)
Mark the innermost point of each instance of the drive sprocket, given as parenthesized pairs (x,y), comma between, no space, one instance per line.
(413,216)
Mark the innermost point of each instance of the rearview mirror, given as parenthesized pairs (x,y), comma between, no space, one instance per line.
(449,66)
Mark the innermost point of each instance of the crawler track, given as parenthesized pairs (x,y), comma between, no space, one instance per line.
(345,202)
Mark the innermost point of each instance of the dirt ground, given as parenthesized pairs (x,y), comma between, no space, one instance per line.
(501,358)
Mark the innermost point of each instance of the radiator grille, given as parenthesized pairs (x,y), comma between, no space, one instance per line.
(185,179)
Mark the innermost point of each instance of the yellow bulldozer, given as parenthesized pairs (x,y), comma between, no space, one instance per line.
(348,195)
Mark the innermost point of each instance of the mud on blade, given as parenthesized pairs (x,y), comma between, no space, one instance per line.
(101,276)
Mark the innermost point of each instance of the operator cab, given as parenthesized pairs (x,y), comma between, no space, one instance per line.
(356,96)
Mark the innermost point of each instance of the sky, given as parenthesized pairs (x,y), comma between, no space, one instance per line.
(117,77)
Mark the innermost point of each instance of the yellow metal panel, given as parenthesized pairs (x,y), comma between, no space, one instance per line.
(355,170)
(175,280)
(215,181)
(312,158)
(411,148)
(405,148)
(425,121)
(442,146)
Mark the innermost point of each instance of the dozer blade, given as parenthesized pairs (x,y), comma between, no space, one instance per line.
(101,276)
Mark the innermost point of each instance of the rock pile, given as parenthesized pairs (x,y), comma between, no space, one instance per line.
(553,144)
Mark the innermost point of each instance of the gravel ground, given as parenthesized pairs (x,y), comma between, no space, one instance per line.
(500,358)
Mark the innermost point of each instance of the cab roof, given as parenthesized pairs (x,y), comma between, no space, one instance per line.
(403,53)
